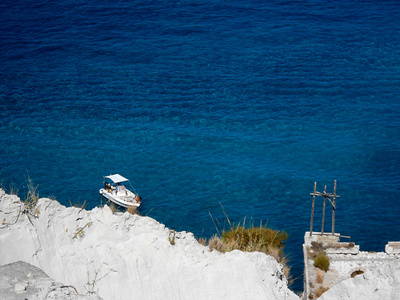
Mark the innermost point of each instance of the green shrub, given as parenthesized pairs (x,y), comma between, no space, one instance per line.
(322,261)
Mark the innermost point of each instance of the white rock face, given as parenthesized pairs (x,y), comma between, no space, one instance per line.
(124,256)
(383,283)
(20,280)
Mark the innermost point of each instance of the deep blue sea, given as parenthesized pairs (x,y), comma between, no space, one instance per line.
(209,107)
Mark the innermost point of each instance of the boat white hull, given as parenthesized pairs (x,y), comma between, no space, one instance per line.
(124,201)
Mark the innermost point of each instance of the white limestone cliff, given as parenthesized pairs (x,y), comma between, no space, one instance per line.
(381,282)
(20,281)
(124,256)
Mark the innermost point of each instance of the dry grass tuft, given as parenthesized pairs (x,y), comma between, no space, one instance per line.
(31,200)
(215,243)
(171,237)
(284,261)
(78,204)
(260,239)
(320,291)
(275,253)
(13,191)
(132,210)
(315,249)
(203,241)
(113,208)
(252,239)
(320,277)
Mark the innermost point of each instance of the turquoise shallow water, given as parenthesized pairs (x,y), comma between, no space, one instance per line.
(201,104)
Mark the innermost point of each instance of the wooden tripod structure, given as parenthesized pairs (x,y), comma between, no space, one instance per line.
(332,200)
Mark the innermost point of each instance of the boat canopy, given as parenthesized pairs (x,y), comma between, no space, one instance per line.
(116,178)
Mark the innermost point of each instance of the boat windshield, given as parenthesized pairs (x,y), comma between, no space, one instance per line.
(121,188)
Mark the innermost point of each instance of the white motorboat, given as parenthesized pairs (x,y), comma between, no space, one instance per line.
(115,191)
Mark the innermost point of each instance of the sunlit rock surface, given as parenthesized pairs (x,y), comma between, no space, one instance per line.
(124,256)
(20,280)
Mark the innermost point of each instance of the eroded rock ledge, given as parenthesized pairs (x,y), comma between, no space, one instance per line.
(124,256)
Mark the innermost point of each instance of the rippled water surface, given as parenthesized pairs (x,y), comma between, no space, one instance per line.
(204,104)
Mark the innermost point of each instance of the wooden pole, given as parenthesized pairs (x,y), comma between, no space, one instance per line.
(334,209)
(323,214)
(312,209)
